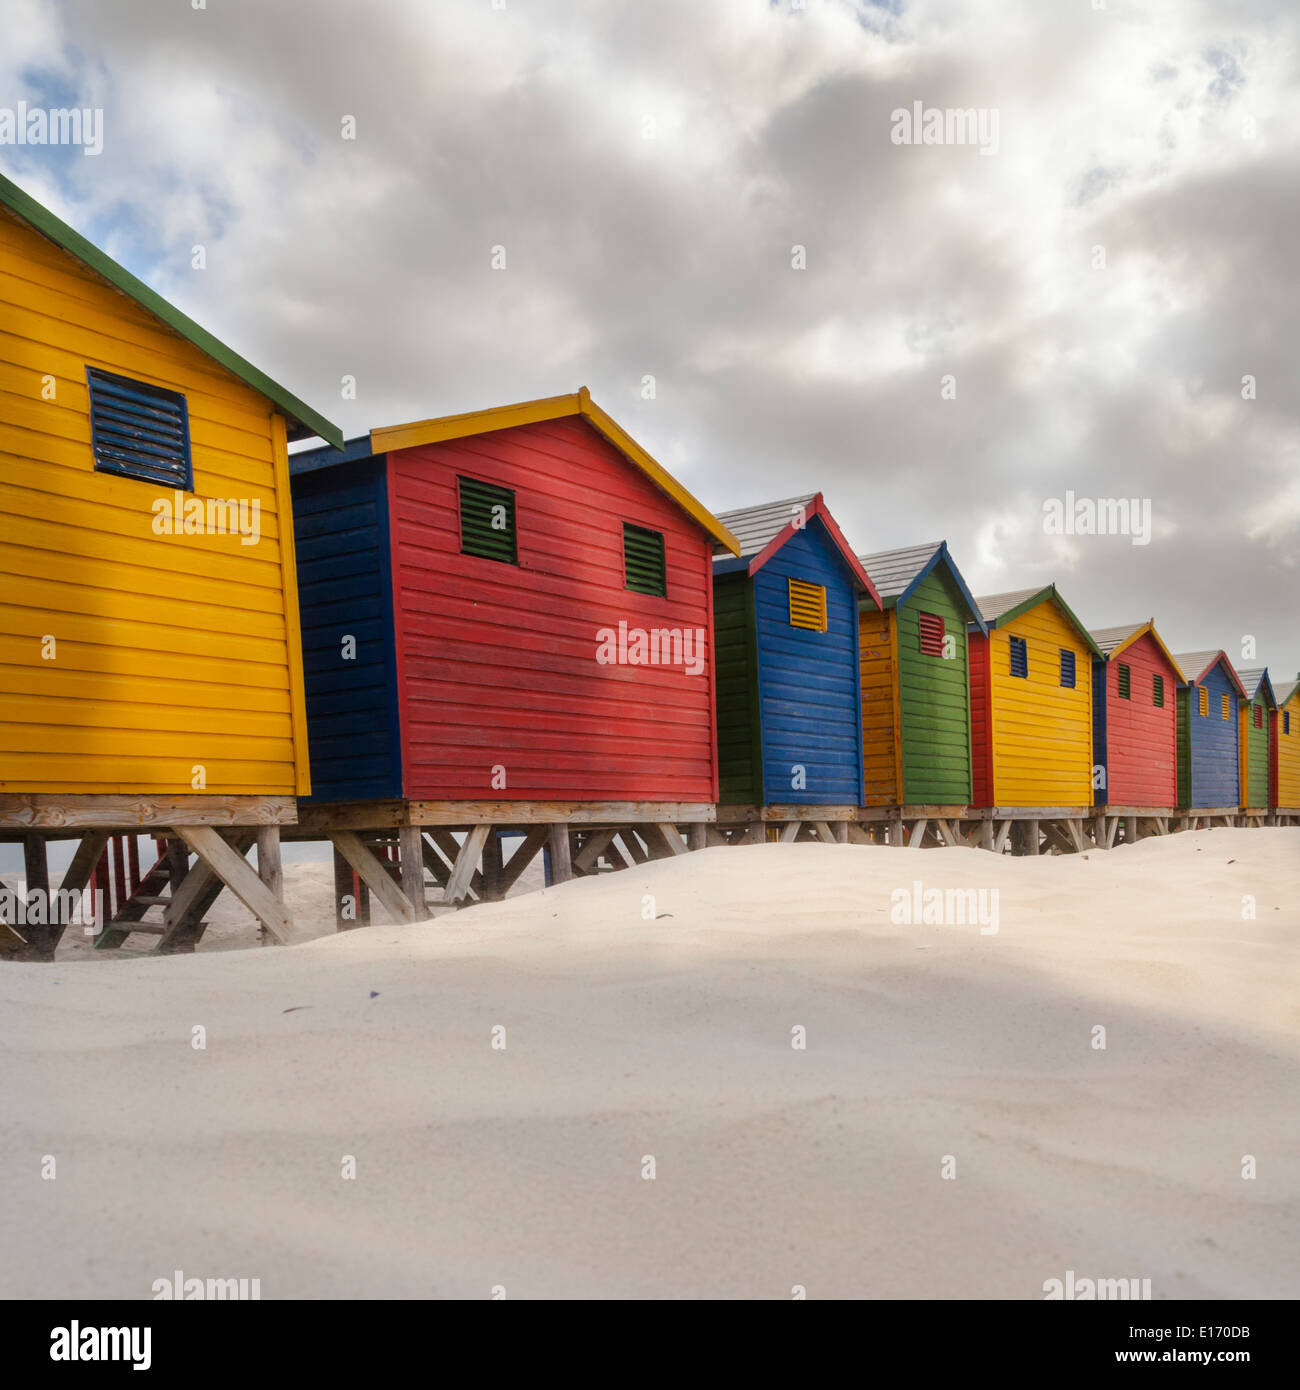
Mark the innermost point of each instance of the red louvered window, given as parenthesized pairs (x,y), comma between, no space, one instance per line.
(1259,716)
(932,633)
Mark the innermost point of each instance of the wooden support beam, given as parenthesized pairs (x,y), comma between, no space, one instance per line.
(522,857)
(561,861)
(450,848)
(1055,834)
(986,833)
(790,832)
(632,843)
(78,874)
(237,874)
(462,873)
(1074,828)
(374,875)
(199,888)
(698,834)
(342,890)
(823,832)
(918,834)
(589,855)
(945,832)
(439,867)
(411,859)
(856,834)
(126,814)
(672,838)
(490,873)
(716,836)
(1004,834)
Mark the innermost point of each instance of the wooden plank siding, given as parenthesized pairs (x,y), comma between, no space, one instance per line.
(934,698)
(981,701)
(1038,732)
(1213,774)
(1287,750)
(880,723)
(497,663)
(809,696)
(1255,753)
(172,650)
(736,665)
(1137,742)
(346,591)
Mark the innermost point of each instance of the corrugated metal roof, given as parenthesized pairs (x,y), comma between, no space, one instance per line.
(892,571)
(1251,677)
(756,527)
(1194,663)
(993,606)
(1108,638)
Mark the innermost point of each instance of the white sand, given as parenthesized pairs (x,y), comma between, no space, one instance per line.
(775,1167)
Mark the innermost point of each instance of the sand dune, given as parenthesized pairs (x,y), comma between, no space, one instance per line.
(671,1037)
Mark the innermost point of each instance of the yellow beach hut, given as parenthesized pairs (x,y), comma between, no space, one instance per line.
(149,638)
(1031,703)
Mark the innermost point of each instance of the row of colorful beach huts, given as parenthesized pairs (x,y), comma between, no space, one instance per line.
(508,624)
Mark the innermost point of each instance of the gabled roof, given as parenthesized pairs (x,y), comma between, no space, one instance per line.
(303,422)
(899,573)
(504,417)
(757,527)
(761,531)
(1111,641)
(1287,691)
(1196,666)
(1256,680)
(1001,609)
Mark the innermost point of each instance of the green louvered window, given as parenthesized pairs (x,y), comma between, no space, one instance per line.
(1158,691)
(644,570)
(1125,682)
(487,521)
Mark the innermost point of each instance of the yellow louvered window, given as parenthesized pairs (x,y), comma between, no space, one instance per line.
(1227,705)
(807,605)
(1204,703)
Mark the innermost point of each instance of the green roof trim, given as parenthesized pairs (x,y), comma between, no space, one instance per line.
(1050,592)
(303,421)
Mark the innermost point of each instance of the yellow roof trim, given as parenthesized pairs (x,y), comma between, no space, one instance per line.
(1149,626)
(505,417)
(501,417)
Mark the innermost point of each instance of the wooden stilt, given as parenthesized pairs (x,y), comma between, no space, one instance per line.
(269,868)
(411,852)
(80,870)
(343,889)
(698,835)
(561,863)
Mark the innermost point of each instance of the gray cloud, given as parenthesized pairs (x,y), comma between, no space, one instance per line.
(671,255)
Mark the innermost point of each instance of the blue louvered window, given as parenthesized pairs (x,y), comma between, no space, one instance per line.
(1019,658)
(1286,721)
(1067,668)
(139,431)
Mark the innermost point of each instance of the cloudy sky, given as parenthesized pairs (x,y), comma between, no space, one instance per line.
(1096,287)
